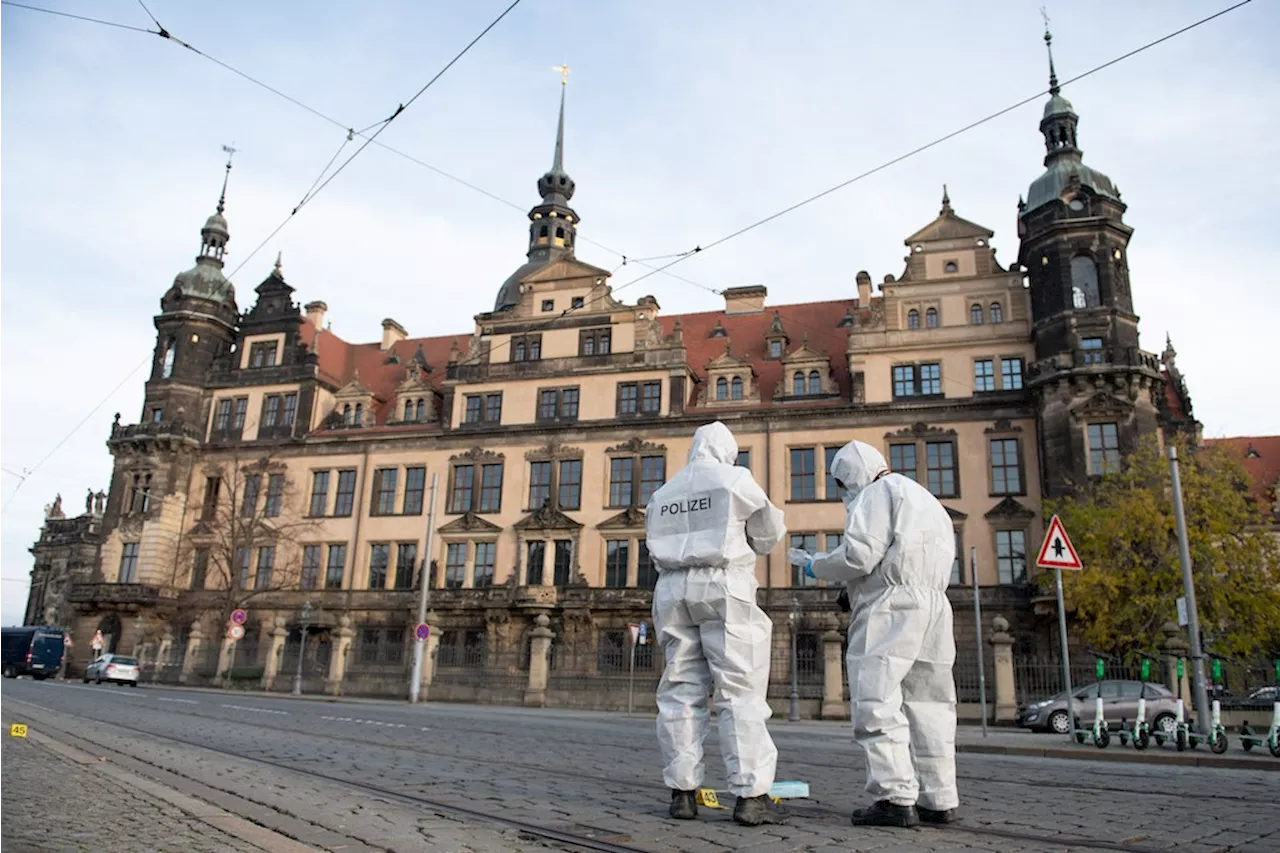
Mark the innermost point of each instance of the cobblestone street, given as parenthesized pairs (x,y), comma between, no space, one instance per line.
(377,775)
(53,804)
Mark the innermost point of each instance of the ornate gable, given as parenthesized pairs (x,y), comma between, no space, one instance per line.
(1001,426)
(1010,510)
(477,455)
(416,400)
(806,373)
(547,518)
(635,445)
(1102,404)
(921,430)
(631,518)
(469,522)
(553,449)
(956,515)
(731,380)
(353,405)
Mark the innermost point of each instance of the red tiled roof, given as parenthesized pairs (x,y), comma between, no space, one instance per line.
(339,360)
(819,321)
(1260,456)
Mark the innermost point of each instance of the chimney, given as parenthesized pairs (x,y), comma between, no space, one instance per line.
(392,333)
(864,289)
(315,313)
(745,300)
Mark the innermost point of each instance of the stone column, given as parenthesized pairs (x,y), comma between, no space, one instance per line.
(1172,647)
(275,650)
(833,706)
(535,695)
(162,654)
(195,639)
(338,663)
(1002,647)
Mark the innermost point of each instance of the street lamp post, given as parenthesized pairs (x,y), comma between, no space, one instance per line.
(794,618)
(302,648)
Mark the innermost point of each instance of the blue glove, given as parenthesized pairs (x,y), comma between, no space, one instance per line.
(808,570)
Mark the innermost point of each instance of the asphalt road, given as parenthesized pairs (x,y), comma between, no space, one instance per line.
(596,775)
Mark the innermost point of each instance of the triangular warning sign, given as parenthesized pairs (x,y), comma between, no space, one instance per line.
(1057,551)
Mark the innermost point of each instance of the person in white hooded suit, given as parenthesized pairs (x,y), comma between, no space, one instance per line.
(705,527)
(895,558)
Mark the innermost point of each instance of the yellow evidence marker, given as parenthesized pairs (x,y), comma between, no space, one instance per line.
(18,730)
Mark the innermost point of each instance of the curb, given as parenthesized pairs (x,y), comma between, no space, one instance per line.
(1119,757)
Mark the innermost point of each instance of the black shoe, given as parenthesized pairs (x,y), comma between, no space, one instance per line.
(885,813)
(754,811)
(937,815)
(683,805)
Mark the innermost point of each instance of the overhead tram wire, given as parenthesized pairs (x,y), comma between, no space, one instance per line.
(164,33)
(115,24)
(698,249)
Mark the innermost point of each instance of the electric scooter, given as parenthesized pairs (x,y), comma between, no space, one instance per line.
(1141,731)
(1217,737)
(1248,739)
(1181,732)
(1098,733)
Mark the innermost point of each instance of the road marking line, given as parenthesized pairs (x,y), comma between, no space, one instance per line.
(183,701)
(251,709)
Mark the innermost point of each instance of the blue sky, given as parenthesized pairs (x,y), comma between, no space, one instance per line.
(686,121)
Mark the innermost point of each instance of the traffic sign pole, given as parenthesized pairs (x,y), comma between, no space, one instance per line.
(1058,553)
(1189,590)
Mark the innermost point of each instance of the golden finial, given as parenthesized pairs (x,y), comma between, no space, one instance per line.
(564,73)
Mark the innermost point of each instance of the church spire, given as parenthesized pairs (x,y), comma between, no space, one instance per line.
(1054,88)
(214,236)
(554,224)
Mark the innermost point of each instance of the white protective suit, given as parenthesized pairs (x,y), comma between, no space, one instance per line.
(705,527)
(896,556)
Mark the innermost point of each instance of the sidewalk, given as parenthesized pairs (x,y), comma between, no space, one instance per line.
(52,804)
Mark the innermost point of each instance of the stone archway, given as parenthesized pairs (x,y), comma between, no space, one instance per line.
(109,625)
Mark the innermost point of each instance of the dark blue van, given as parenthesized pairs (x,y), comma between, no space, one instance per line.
(33,651)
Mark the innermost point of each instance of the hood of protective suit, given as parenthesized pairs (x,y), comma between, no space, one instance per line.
(856,465)
(713,441)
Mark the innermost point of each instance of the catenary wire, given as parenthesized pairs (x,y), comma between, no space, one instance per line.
(115,24)
(164,33)
(369,140)
(678,258)
(698,249)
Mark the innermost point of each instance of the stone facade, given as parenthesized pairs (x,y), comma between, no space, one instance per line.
(276,465)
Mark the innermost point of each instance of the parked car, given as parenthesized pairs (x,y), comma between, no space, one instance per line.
(1119,702)
(116,669)
(32,651)
(1265,694)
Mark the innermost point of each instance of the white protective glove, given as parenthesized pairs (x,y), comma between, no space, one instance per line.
(799,557)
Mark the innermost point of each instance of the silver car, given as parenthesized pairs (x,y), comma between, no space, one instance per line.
(1119,702)
(116,669)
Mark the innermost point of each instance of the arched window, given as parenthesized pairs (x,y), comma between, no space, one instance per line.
(589,345)
(422,409)
(815,383)
(950,266)
(913,319)
(737,387)
(722,388)
(1084,282)
(997,313)
(517,353)
(559,233)
(408,410)
(975,315)
(170,351)
(346,414)
(797,384)
(543,232)
(931,318)
(359,415)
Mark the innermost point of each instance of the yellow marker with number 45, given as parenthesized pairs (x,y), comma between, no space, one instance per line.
(17,730)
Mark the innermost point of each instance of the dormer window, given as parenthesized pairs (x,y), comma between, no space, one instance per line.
(736,388)
(262,354)
(775,349)
(951,266)
(722,388)
(997,313)
(931,318)
(975,315)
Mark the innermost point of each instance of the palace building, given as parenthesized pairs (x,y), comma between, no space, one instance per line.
(279,469)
